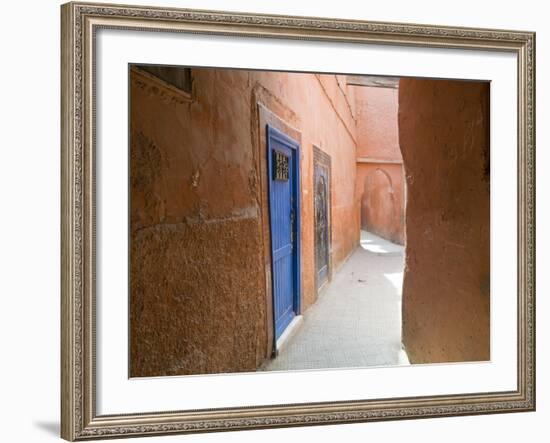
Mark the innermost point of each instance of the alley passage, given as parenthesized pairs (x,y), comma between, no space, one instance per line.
(356,321)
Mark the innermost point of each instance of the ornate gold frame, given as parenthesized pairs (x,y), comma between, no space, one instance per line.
(78,417)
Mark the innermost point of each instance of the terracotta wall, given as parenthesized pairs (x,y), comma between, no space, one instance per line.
(198,242)
(381,194)
(377,128)
(380,186)
(444,137)
(195,232)
(322,109)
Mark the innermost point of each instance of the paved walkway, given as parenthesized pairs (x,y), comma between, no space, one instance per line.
(356,321)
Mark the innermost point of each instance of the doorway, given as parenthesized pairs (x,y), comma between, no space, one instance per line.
(321,203)
(284,216)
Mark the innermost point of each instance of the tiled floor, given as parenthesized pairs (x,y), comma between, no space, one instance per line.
(356,321)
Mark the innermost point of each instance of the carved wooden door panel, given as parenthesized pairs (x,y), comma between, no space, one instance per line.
(321,224)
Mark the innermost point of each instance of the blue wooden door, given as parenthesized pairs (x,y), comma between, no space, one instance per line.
(284,212)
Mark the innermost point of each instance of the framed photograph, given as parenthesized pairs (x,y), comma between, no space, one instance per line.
(284,221)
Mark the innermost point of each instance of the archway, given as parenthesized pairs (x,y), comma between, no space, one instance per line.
(378,208)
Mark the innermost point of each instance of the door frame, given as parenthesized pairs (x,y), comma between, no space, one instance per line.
(274,133)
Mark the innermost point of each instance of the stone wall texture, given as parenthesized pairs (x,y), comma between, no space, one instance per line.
(444,138)
(199,280)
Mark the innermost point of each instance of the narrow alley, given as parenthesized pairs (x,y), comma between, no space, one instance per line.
(356,321)
(268,210)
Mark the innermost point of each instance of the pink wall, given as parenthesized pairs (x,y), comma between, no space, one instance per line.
(381,194)
(377,128)
(380,186)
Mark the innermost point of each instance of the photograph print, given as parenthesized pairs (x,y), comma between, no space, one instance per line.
(284,221)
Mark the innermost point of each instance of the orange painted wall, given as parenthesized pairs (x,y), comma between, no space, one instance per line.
(381,200)
(444,136)
(322,108)
(198,283)
(380,185)
(377,126)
